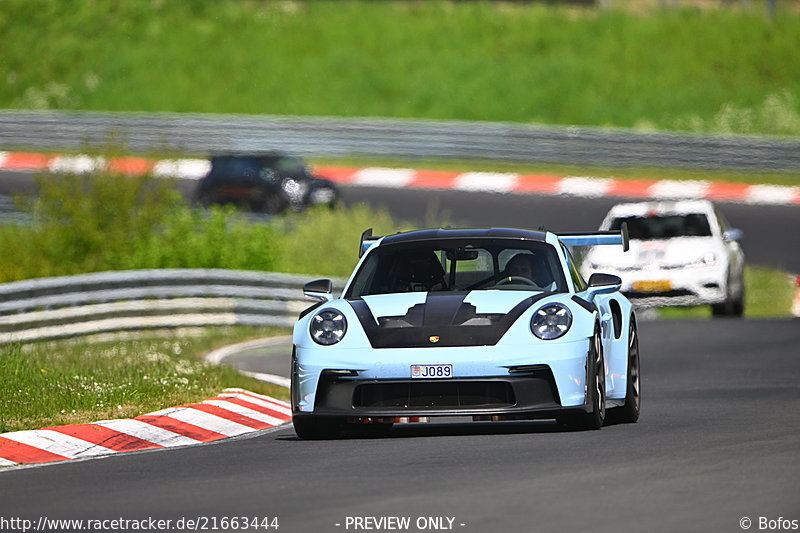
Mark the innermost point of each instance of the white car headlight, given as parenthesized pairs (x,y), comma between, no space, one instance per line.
(551,321)
(328,327)
(705,260)
(709,259)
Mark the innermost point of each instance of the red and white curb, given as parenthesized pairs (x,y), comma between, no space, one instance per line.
(496,182)
(588,187)
(232,413)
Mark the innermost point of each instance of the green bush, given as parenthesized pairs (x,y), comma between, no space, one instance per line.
(325,241)
(102,221)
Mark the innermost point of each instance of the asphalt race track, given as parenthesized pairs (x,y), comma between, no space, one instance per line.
(719,440)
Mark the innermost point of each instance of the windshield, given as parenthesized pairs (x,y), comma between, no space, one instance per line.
(290,167)
(234,167)
(459,266)
(664,226)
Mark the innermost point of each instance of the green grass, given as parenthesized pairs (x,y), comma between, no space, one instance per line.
(768,294)
(724,71)
(325,241)
(69,382)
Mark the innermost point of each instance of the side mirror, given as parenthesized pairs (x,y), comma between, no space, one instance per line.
(733,234)
(321,289)
(604,283)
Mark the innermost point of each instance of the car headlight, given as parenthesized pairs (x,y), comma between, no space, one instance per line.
(707,260)
(551,321)
(328,327)
(295,189)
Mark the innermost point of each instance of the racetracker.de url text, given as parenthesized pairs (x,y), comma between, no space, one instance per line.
(198,523)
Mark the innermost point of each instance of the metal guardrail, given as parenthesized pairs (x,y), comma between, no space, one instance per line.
(51,308)
(334,137)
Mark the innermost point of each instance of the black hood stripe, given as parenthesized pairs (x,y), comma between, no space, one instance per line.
(444,315)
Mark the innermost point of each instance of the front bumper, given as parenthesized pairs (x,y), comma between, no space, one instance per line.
(530,396)
(487,385)
(685,286)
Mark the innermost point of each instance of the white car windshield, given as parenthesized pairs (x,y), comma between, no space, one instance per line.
(656,227)
(459,266)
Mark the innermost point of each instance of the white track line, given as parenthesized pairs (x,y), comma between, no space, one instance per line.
(269,378)
(217,356)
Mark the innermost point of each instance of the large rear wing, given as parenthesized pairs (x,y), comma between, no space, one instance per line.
(367,240)
(597,238)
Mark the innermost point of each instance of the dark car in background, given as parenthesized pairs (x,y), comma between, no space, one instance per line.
(267,183)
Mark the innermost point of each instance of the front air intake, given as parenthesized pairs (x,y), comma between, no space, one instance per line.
(435,395)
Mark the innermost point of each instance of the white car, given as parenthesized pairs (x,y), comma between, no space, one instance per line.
(682,253)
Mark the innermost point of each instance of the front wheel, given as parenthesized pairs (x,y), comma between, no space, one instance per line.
(595,391)
(628,413)
(309,427)
(380,430)
(733,304)
(274,203)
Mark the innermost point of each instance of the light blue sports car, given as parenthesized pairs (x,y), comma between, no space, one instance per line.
(493,324)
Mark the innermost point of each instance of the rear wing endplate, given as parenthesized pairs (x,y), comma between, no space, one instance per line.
(367,240)
(597,238)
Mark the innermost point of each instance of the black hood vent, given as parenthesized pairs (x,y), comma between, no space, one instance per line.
(443,320)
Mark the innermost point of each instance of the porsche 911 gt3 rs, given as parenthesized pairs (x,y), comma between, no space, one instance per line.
(493,324)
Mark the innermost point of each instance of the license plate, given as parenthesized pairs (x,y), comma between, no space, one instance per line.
(432,371)
(652,286)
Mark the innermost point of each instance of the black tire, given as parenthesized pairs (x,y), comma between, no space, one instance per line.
(203,199)
(738,303)
(274,203)
(596,391)
(628,413)
(733,306)
(370,431)
(309,427)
